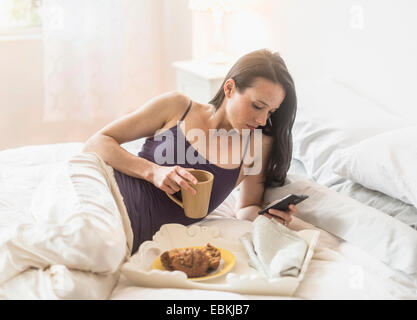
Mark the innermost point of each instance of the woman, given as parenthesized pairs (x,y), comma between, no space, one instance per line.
(257,93)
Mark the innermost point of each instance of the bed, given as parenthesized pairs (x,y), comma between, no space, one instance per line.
(367,238)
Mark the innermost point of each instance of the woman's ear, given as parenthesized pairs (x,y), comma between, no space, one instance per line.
(229,88)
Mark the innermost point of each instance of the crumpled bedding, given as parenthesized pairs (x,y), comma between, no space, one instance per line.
(338,270)
(52,231)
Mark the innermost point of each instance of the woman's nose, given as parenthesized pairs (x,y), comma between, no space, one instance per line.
(261,120)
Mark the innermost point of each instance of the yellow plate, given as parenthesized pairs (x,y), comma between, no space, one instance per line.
(227,263)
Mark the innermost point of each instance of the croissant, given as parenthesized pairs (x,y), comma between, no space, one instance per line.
(195,262)
(214,256)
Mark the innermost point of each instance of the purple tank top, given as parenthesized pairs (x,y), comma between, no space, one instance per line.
(149,207)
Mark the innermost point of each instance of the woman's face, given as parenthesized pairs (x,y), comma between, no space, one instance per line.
(252,107)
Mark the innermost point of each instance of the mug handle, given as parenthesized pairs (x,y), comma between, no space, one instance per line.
(175,200)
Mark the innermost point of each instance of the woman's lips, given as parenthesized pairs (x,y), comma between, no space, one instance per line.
(251,127)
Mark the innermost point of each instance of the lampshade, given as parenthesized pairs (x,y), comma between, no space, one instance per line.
(217,9)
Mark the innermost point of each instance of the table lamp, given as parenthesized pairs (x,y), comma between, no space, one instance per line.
(217,9)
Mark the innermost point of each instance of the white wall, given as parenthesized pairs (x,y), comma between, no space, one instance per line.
(22,90)
(22,99)
(370,45)
(252,26)
(177,41)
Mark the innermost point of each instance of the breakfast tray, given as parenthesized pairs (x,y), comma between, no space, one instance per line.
(241,279)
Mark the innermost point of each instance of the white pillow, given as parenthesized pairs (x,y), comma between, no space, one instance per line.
(395,208)
(386,163)
(331,117)
(382,236)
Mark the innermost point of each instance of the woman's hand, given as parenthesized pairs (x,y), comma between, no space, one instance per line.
(171,179)
(284,217)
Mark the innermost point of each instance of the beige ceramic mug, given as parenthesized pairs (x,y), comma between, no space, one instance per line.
(196,206)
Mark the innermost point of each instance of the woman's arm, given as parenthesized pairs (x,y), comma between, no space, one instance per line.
(143,122)
(252,186)
(117,157)
(252,191)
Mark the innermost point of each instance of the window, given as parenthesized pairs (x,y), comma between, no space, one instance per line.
(20,15)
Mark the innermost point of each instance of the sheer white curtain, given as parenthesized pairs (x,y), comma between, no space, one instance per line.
(102,57)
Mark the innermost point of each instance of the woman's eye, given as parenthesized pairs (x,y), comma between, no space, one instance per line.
(256,107)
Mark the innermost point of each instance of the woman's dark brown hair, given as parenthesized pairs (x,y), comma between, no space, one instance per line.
(266,64)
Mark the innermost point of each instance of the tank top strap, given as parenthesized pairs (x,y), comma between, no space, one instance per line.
(246,148)
(188,109)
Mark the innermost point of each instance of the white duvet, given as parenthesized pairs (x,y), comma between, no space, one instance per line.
(338,269)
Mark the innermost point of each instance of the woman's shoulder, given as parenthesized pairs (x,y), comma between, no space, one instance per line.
(179,103)
(175,100)
(174,104)
(183,102)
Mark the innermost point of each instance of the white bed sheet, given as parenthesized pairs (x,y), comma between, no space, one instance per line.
(338,269)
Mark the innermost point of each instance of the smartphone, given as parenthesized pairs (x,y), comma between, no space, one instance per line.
(284,203)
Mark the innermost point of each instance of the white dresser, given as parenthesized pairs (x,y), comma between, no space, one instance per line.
(200,79)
